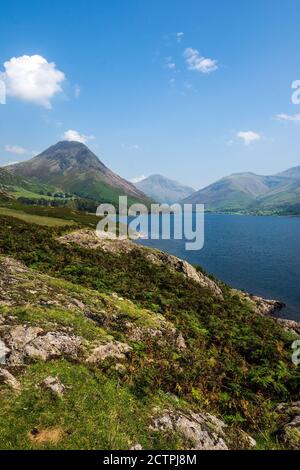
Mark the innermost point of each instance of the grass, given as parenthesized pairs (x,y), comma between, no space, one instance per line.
(65,213)
(35,219)
(54,318)
(20,192)
(236,365)
(95,413)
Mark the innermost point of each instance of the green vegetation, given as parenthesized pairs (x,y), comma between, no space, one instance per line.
(73,168)
(13,208)
(236,364)
(247,193)
(98,414)
(35,219)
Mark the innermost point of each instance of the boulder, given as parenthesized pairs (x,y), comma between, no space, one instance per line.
(28,342)
(288,432)
(7,378)
(200,431)
(4,351)
(114,349)
(54,385)
(53,345)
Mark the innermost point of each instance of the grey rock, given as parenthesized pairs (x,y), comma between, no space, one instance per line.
(54,385)
(53,345)
(289,430)
(113,349)
(4,350)
(289,325)
(28,342)
(136,447)
(7,378)
(185,268)
(201,431)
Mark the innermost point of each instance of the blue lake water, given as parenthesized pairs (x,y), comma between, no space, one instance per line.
(258,254)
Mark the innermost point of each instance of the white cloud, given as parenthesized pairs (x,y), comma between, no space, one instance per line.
(72,135)
(196,62)
(248,136)
(288,117)
(179,36)
(17,150)
(137,179)
(32,79)
(170,63)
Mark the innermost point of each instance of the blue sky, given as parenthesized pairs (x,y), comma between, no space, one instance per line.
(193,106)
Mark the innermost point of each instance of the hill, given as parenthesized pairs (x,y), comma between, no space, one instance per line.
(163,189)
(107,335)
(73,167)
(252,193)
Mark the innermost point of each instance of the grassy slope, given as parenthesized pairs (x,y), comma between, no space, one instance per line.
(237,364)
(64,213)
(35,219)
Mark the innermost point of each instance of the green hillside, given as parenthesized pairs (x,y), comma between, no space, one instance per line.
(130,343)
(75,169)
(250,193)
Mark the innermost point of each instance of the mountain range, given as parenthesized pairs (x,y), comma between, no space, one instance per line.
(71,170)
(163,189)
(72,167)
(279,193)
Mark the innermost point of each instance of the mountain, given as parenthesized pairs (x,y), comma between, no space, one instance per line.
(291,173)
(250,192)
(232,192)
(73,167)
(163,189)
(284,197)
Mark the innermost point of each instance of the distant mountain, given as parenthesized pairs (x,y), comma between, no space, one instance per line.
(291,173)
(250,192)
(73,167)
(163,189)
(284,197)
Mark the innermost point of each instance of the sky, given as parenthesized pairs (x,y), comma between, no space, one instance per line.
(190,89)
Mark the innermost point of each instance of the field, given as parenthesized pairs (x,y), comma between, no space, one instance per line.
(35,219)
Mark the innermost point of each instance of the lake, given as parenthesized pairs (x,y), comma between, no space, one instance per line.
(258,254)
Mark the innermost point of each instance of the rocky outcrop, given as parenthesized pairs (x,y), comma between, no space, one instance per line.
(289,325)
(20,285)
(54,385)
(114,349)
(261,306)
(289,429)
(7,378)
(88,239)
(165,334)
(200,431)
(183,267)
(4,351)
(31,343)
(268,308)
